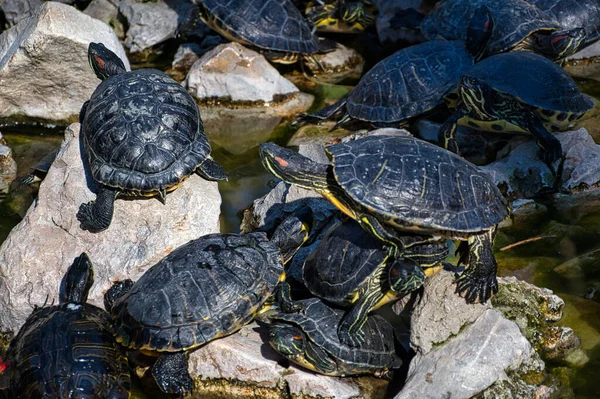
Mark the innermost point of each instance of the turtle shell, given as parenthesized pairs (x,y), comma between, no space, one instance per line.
(574,14)
(410,82)
(347,256)
(142,132)
(205,289)
(67,347)
(534,80)
(320,322)
(268,24)
(414,185)
(514,21)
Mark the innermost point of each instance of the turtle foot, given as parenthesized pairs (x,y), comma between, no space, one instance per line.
(86,218)
(171,373)
(476,289)
(350,336)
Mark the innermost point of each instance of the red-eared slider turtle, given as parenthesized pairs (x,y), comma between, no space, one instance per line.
(574,14)
(352,268)
(339,16)
(394,183)
(276,27)
(518,26)
(413,80)
(142,135)
(518,92)
(203,290)
(68,350)
(309,338)
(40,169)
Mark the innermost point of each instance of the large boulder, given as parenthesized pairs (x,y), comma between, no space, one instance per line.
(38,250)
(44,68)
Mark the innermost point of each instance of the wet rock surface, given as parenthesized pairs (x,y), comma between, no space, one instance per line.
(45,56)
(38,250)
(8,167)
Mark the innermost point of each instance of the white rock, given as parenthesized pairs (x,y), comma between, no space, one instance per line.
(232,72)
(44,70)
(38,250)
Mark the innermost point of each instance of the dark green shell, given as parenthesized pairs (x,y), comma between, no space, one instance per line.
(67,349)
(410,82)
(268,24)
(536,81)
(514,21)
(205,289)
(142,132)
(414,185)
(347,256)
(320,322)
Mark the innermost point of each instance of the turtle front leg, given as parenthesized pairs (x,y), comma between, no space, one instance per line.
(211,170)
(171,373)
(447,132)
(386,234)
(478,282)
(550,147)
(283,298)
(95,216)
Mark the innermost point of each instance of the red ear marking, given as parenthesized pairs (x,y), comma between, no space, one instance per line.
(297,337)
(486,26)
(99,60)
(558,38)
(281,161)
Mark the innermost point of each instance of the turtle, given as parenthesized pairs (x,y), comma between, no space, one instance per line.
(206,289)
(309,338)
(40,169)
(68,350)
(411,81)
(350,267)
(518,26)
(518,91)
(574,14)
(393,184)
(142,135)
(275,27)
(339,16)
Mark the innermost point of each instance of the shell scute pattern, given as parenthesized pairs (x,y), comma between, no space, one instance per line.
(273,24)
(416,184)
(143,132)
(411,81)
(200,291)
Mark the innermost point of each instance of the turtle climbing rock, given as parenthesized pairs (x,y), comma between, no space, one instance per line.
(142,135)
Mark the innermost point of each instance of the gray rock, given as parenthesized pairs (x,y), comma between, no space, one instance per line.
(335,66)
(470,362)
(107,11)
(186,55)
(151,23)
(234,73)
(38,250)
(581,169)
(564,347)
(8,166)
(245,357)
(441,313)
(44,68)
(585,63)
(17,10)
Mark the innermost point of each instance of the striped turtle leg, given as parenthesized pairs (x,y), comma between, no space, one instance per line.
(550,147)
(95,216)
(447,132)
(171,373)
(319,358)
(478,282)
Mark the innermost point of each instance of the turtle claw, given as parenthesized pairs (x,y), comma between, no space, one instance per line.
(353,337)
(476,289)
(85,215)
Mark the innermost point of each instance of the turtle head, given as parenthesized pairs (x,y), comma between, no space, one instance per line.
(293,232)
(293,168)
(479,31)
(104,62)
(477,96)
(77,282)
(563,43)
(118,289)
(405,275)
(287,340)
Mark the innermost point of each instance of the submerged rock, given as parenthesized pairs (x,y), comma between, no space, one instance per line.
(44,68)
(38,250)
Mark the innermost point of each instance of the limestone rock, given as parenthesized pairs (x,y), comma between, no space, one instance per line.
(246,357)
(44,69)
(441,313)
(38,250)
(585,63)
(151,23)
(8,166)
(107,11)
(235,73)
(17,10)
(470,362)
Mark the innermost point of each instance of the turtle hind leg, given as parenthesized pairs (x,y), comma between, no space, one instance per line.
(550,147)
(478,282)
(95,216)
(171,373)
(324,114)
(211,170)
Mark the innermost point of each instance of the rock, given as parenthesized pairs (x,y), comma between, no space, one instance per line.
(470,362)
(107,11)
(151,23)
(441,313)
(524,212)
(18,10)
(563,346)
(245,357)
(231,72)
(580,266)
(186,55)
(585,63)
(318,134)
(581,169)
(44,68)
(337,65)
(38,250)
(8,167)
